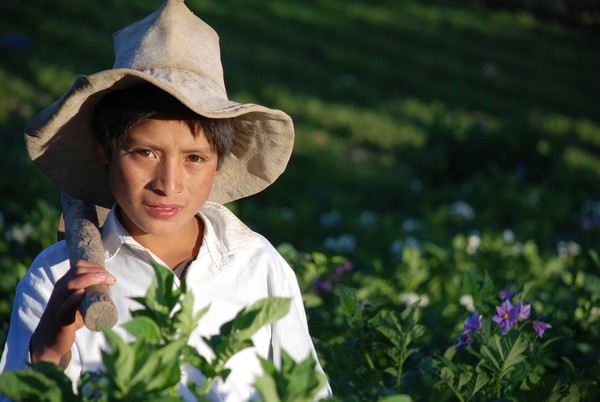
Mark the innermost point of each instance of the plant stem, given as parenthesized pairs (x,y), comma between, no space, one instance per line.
(458,395)
(399,372)
(369,361)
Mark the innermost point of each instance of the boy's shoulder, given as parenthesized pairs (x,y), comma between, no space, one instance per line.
(54,254)
(229,230)
(49,265)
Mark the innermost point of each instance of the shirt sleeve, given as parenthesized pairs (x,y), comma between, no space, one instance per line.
(291,332)
(31,297)
(30,300)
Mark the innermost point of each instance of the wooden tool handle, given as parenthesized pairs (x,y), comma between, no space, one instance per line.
(85,243)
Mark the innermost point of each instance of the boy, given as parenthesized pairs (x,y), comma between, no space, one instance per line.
(156,140)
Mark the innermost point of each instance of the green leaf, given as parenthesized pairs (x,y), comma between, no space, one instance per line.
(480,382)
(490,359)
(56,374)
(297,382)
(446,374)
(464,379)
(185,320)
(192,357)
(396,398)
(266,385)
(227,346)
(144,327)
(514,352)
(594,255)
(262,312)
(349,304)
(159,368)
(34,386)
(530,381)
(161,297)
(527,287)
(236,334)
(119,362)
(305,380)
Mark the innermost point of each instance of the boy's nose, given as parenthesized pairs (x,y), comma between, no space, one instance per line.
(168,178)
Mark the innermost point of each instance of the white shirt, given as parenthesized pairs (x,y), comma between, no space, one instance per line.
(234,268)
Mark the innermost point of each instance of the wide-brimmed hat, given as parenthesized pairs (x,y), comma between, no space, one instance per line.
(178,53)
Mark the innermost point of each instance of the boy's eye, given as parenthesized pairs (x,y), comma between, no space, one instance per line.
(146,153)
(195,158)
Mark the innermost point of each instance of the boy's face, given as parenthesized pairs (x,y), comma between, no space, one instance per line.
(161,177)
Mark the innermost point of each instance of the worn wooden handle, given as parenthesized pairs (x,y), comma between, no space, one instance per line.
(85,243)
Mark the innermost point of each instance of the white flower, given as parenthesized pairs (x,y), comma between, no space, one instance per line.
(594,313)
(342,243)
(413,242)
(411,297)
(573,248)
(367,218)
(462,210)
(19,234)
(508,236)
(331,218)
(410,225)
(396,248)
(467,301)
(473,243)
(568,249)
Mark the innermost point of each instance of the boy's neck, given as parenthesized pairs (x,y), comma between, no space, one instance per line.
(174,250)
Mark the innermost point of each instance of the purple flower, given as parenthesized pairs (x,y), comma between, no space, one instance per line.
(524,310)
(540,327)
(341,269)
(464,340)
(472,323)
(506,316)
(506,293)
(322,285)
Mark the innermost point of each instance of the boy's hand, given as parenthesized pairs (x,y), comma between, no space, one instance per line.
(52,339)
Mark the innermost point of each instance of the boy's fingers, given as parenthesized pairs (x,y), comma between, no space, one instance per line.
(69,308)
(73,301)
(87,264)
(90,278)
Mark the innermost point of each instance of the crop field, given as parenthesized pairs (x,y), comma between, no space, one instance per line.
(445,175)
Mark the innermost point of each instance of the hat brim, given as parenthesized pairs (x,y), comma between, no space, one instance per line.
(60,141)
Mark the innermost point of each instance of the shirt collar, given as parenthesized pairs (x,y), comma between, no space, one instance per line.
(224,235)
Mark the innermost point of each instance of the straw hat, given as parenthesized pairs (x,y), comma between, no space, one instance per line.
(179,53)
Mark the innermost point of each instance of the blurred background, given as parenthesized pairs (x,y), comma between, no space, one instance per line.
(417,122)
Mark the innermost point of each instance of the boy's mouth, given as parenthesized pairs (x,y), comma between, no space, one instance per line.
(163,211)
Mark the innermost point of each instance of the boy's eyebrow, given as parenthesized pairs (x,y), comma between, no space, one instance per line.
(202,150)
(129,142)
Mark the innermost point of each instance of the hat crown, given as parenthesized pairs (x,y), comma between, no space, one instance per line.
(171,38)
(178,53)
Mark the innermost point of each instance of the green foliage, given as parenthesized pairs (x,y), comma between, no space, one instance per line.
(295,382)
(149,368)
(46,383)
(374,348)
(435,157)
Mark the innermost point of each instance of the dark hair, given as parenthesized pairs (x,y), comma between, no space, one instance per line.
(120,111)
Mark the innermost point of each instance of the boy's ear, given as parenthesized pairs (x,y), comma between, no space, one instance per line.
(100,152)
